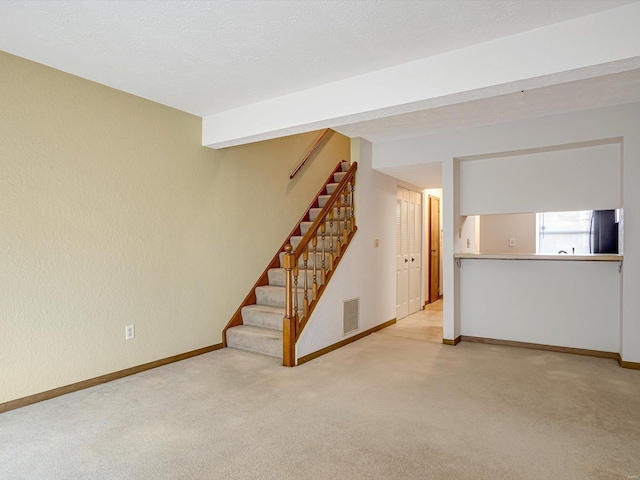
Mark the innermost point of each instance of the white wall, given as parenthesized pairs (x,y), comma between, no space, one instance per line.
(586,178)
(563,303)
(585,126)
(452,230)
(365,272)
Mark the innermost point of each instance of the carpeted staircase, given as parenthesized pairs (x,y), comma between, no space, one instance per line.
(261,330)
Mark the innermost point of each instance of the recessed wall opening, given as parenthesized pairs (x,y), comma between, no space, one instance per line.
(577,232)
(537,246)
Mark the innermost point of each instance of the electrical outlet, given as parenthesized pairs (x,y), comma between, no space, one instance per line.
(512,242)
(129,332)
(468,243)
(376,242)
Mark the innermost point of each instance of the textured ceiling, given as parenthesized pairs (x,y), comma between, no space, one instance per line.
(205,57)
(424,175)
(595,92)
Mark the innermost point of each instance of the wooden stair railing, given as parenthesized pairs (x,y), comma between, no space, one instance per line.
(250,299)
(324,261)
(311,150)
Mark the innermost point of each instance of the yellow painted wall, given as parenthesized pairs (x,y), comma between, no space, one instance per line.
(112,213)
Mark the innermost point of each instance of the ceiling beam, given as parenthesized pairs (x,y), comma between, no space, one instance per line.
(595,45)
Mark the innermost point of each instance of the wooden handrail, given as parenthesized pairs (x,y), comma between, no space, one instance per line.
(294,321)
(304,243)
(311,150)
(250,299)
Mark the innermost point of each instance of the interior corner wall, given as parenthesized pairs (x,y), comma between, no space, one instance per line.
(467,237)
(112,213)
(365,272)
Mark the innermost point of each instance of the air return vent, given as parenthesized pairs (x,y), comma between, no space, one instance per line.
(351,315)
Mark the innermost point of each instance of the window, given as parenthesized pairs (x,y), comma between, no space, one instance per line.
(564,231)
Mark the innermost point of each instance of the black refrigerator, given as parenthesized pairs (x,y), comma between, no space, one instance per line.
(603,235)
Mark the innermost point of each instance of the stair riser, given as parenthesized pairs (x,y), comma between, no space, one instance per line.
(328,244)
(331,187)
(261,331)
(305,226)
(262,319)
(277,277)
(275,299)
(310,261)
(314,212)
(266,346)
(323,199)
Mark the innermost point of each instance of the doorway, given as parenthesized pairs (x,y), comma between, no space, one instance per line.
(408,251)
(423,325)
(434,249)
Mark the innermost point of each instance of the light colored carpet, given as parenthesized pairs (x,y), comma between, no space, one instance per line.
(384,407)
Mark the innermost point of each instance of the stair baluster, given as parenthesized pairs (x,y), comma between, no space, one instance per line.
(351,201)
(338,236)
(339,214)
(331,258)
(289,323)
(296,272)
(276,311)
(305,301)
(315,271)
(323,270)
(345,232)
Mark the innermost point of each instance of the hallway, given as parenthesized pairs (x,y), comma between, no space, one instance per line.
(423,325)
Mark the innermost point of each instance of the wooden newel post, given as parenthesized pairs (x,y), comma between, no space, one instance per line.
(289,323)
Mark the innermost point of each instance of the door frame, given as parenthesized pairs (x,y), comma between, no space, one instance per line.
(422,195)
(429,227)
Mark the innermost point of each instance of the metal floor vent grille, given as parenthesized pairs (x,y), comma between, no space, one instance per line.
(351,315)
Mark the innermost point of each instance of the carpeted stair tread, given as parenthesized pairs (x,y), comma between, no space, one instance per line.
(337,177)
(328,242)
(274,296)
(255,339)
(310,260)
(315,211)
(277,277)
(331,187)
(263,316)
(323,199)
(261,331)
(305,226)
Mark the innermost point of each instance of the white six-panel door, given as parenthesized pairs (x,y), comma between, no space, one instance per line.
(402,253)
(408,252)
(415,250)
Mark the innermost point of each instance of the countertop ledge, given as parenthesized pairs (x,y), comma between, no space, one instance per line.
(596,257)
